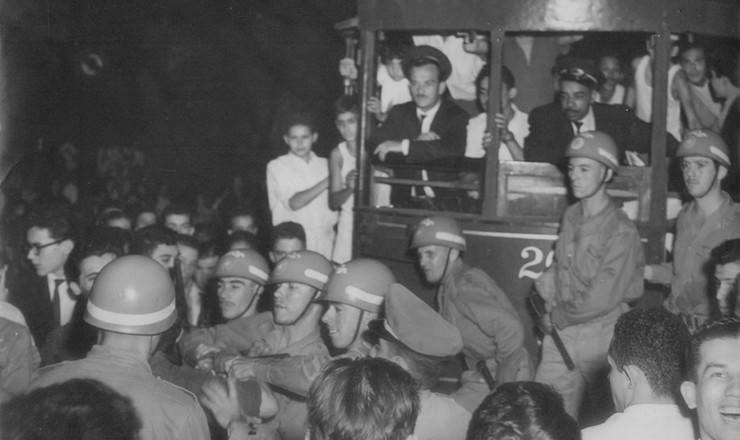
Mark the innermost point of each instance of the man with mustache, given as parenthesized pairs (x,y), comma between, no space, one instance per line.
(429,128)
(707,221)
(553,126)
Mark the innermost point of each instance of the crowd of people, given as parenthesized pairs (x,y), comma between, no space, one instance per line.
(201,321)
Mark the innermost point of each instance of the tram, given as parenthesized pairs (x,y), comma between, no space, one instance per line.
(511,234)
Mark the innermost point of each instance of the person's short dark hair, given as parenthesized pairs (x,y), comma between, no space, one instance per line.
(654,340)
(187,241)
(79,409)
(507,78)
(299,118)
(523,411)
(147,239)
(362,399)
(99,241)
(288,230)
(173,209)
(723,61)
(242,236)
(243,209)
(112,214)
(687,46)
(209,249)
(722,328)
(55,215)
(390,52)
(727,252)
(346,104)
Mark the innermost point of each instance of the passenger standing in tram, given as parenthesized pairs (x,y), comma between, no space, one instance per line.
(724,76)
(694,68)
(298,187)
(708,220)
(553,126)
(597,269)
(429,128)
(612,91)
(342,175)
(469,299)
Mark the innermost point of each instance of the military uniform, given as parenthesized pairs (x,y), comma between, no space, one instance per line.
(490,329)
(598,268)
(19,358)
(232,337)
(695,239)
(166,411)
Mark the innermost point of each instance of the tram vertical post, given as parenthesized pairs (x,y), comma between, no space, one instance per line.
(490,180)
(654,250)
(362,193)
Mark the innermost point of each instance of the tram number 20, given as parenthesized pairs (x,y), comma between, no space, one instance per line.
(533,257)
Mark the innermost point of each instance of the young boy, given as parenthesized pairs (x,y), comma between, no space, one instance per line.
(342,176)
(394,87)
(297,187)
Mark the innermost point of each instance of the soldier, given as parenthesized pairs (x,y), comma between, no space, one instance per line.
(597,270)
(241,276)
(708,220)
(299,277)
(468,298)
(354,295)
(132,303)
(418,339)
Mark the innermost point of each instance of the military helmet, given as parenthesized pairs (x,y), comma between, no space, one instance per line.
(305,267)
(441,231)
(595,145)
(134,295)
(704,143)
(243,263)
(361,283)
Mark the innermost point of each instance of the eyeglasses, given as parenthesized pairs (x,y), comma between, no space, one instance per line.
(36,248)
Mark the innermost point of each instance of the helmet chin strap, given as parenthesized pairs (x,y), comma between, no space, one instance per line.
(308,306)
(357,333)
(254,298)
(447,264)
(601,183)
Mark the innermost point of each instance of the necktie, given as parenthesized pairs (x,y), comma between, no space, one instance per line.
(578,125)
(56,303)
(421,120)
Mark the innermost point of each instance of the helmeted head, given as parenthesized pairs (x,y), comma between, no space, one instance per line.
(704,143)
(439,231)
(241,275)
(132,295)
(595,145)
(300,277)
(355,293)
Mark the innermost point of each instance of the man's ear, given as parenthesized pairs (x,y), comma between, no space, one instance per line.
(442,87)
(631,373)
(285,139)
(314,136)
(721,172)
(454,255)
(512,93)
(594,95)
(688,391)
(67,246)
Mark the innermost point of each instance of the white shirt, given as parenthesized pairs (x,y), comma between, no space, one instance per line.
(617,97)
(288,175)
(67,299)
(644,422)
(588,123)
(518,126)
(392,92)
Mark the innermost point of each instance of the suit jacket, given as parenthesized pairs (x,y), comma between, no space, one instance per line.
(30,293)
(450,123)
(550,131)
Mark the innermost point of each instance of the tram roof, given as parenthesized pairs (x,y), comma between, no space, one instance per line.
(712,17)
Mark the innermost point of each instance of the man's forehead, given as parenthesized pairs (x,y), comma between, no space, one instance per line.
(573,87)
(165,249)
(424,71)
(35,232)
(723,351)
(177,218)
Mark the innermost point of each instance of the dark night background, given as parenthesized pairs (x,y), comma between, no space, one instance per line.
(196,84)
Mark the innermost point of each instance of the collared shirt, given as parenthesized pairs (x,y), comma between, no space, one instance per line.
(440,418)
(645,421)
(588,123)
(288,175)
(166,411)
(67,299)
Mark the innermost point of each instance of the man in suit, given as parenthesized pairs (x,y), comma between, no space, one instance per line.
(47,299)
(554,125)
(430,128)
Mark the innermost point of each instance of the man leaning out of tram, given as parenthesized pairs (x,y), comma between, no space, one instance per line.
(597,269)
(469,299)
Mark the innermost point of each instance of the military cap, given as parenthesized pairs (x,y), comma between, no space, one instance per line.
(411,322)
(427,53)
(583,72)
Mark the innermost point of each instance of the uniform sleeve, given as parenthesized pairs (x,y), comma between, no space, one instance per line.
(294,374)
(192,340)
(18,360)
(619,278)
(196,425)
(488,306)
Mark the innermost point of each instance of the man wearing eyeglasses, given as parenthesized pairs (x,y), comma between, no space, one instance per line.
(554,125)
(47,299)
